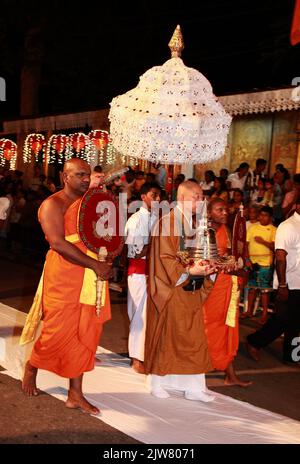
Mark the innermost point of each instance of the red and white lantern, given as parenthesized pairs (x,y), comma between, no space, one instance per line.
(34,144)
(56,148)
(78,144)
(8,152)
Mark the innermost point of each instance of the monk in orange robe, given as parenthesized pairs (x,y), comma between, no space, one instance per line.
(71,328)
(222,334)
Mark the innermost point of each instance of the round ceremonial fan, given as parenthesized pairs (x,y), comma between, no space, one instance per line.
(99,222)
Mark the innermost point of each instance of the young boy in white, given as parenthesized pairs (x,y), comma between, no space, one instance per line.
(137,232)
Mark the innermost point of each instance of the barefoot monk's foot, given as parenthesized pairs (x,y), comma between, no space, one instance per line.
(232,379)
(79,402)
(236,381)
(29,380)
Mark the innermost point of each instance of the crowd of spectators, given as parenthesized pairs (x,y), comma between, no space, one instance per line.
(21,234)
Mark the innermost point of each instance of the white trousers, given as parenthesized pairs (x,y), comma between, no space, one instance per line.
(136,307)
(187,383)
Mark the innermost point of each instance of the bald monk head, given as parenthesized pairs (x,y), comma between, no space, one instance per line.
(76,176)
(188,194)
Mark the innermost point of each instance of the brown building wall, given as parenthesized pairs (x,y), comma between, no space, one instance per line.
(272,136)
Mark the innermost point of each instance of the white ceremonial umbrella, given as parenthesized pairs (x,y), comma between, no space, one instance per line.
(172,116)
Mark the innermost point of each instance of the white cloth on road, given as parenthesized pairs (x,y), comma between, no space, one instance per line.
(126,405)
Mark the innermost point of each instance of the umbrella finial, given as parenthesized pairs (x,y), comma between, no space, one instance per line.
(176,43)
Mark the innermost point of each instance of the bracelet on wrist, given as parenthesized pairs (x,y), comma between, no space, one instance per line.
(282,285)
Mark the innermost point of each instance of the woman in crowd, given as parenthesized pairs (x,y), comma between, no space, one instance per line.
(220,189)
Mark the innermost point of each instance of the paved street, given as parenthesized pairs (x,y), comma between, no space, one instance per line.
(45,420)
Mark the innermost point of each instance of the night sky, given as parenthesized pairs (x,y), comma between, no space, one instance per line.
(90,52)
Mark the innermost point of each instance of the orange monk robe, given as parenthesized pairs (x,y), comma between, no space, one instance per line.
(175,339)
(223,340)
(71,329)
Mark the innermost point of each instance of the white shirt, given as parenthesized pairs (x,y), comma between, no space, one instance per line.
(236,182)
(137,231)
(288,239)
(207,186)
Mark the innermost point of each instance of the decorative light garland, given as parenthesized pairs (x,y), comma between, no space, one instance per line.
(111,152)
(8,152)
(78,144)
(56,148)
(98,144)
(34,144)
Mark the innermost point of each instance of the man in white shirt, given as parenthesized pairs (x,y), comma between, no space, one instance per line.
(287,282)
(137,232)
(237,179)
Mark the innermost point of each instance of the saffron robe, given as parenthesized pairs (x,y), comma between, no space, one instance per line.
(175,338)
(71,329)
(222,339)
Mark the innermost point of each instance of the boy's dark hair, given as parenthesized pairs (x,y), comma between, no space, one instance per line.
(224,170)
(260,162)
(180,177)
(239,191)
(279,166)
(129,176)
(147,186)
(243,166)
(211,174)
(267,209)
(98,168)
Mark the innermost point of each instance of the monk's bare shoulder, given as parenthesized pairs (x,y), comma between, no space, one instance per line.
(57,203)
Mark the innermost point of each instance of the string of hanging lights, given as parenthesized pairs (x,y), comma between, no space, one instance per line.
(34,145)
(8,152)
(56,148)
(96,146)
(78,145)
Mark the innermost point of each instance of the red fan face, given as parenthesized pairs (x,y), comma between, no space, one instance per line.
(99,223)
